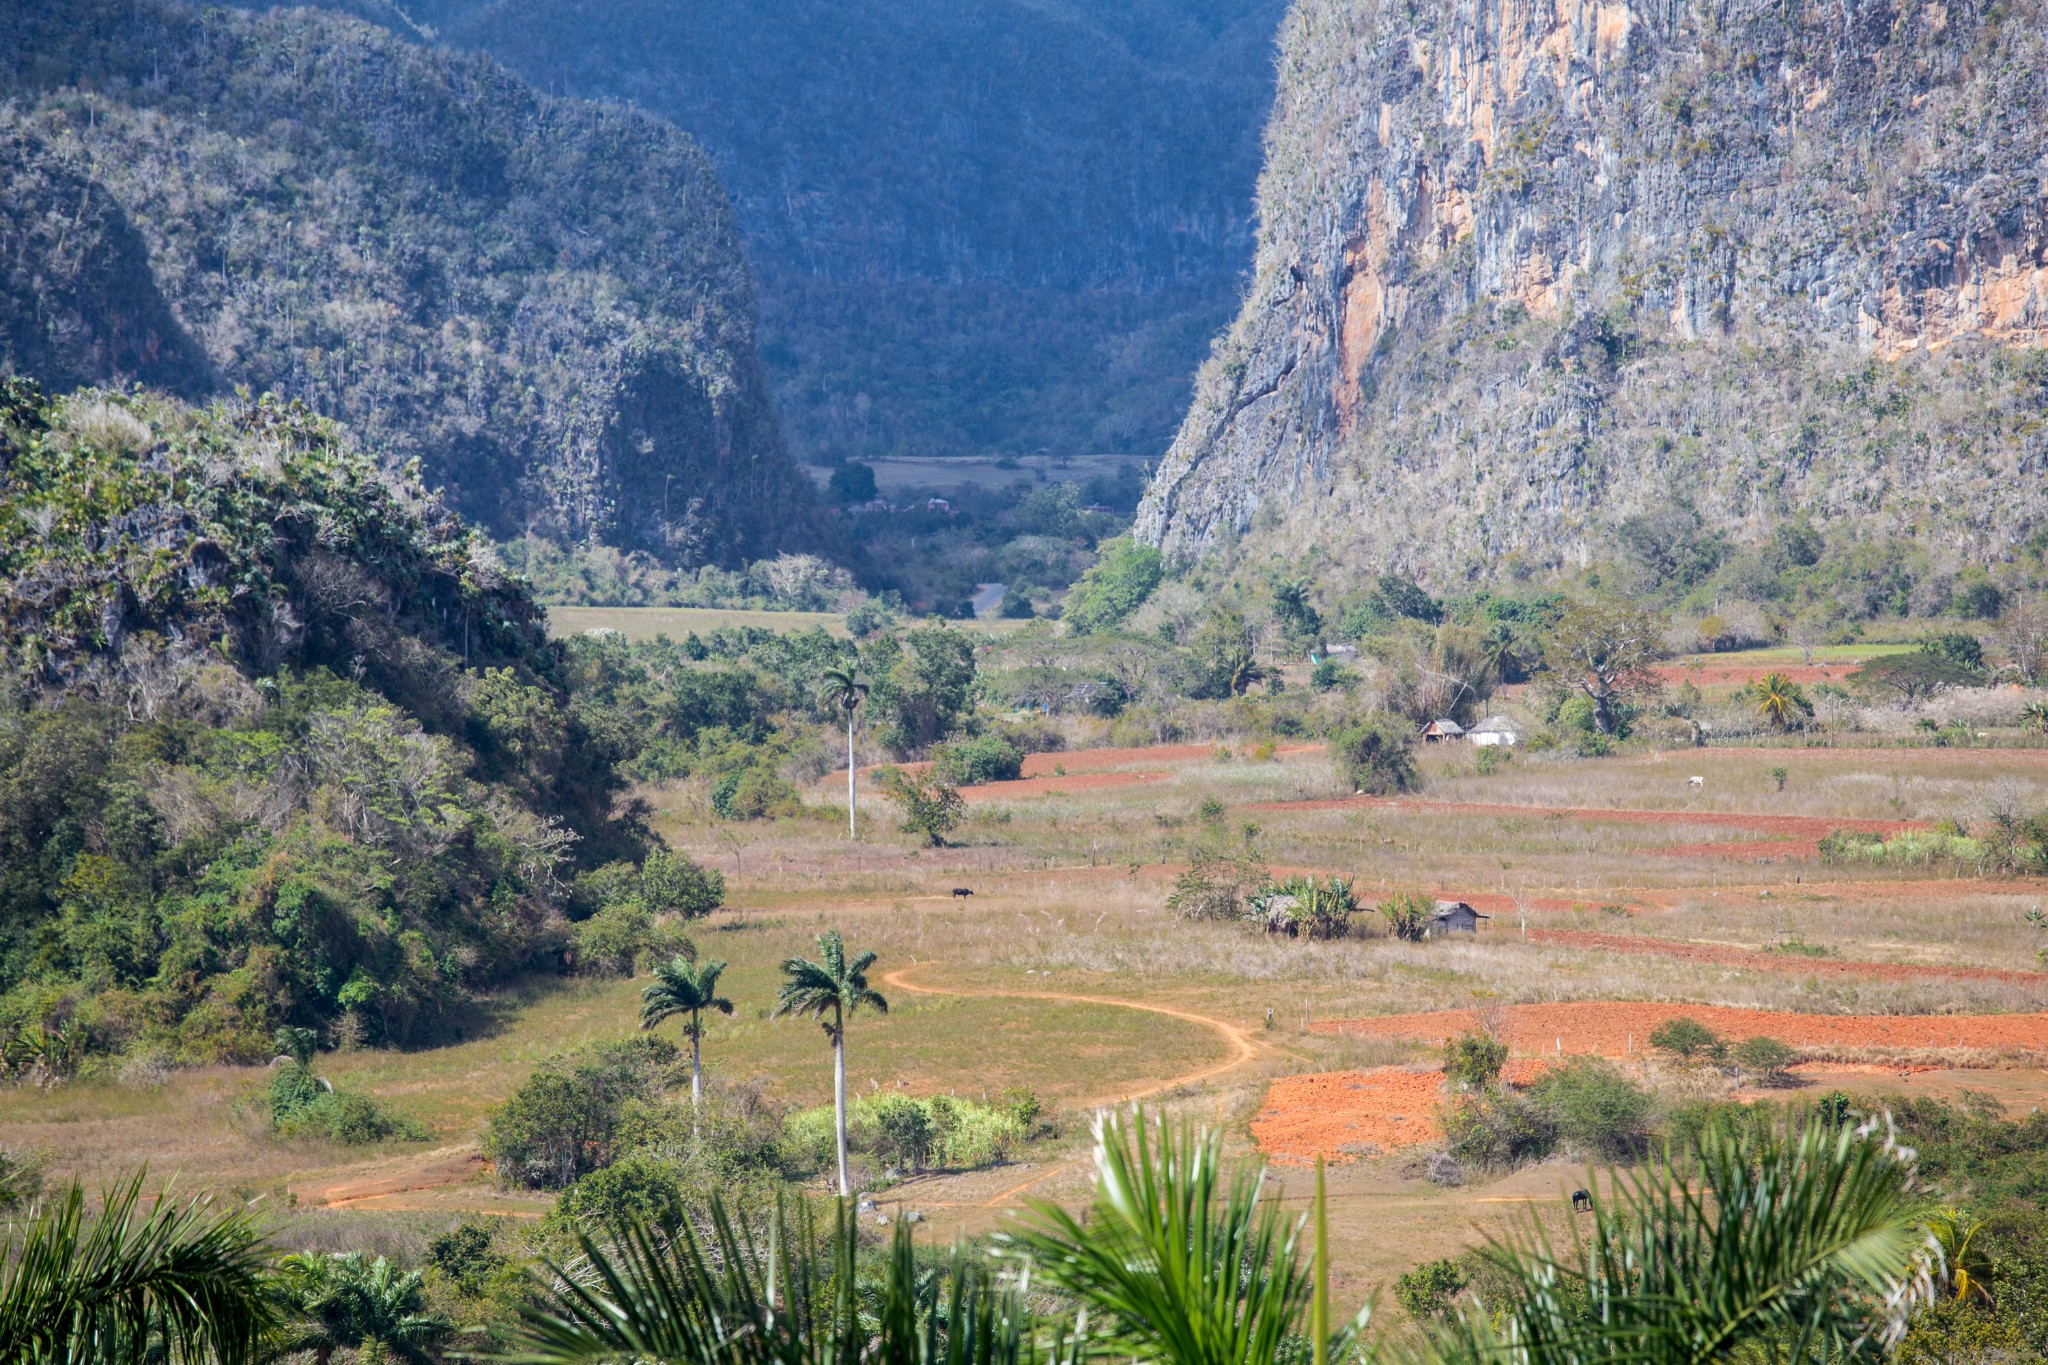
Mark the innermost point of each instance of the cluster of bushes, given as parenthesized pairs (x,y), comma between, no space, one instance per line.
(1760,1059)
(1584,1106)
(304,1105)
(911,1134)
(1941,847)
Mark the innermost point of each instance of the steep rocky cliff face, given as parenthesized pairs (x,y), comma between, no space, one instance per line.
(1529,266)
(544,301)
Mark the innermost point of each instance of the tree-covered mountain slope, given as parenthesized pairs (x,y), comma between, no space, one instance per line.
(1525,271)
(976,224)
(279,742)
(543,300)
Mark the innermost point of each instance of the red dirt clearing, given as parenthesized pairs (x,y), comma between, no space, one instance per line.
(1618,1028)
(1713,675)
(1345,1115)
(1779,962)
(1792,826)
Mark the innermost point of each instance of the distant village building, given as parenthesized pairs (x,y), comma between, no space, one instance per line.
(1101,507)
(1342,654)
(1437,731)
(1455,917)
(937,505)
(1495,730)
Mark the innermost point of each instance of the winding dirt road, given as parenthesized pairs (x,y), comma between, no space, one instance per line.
(1245,1047)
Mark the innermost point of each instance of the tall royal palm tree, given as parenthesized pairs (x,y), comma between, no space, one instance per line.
(830,990)
(179,1282)
(351,1301)
(681,987)
(842,690)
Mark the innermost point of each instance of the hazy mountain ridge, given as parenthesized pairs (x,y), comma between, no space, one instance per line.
(1526,270)
(542,300)
(990,225)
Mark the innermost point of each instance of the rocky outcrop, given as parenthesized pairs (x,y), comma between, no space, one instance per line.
(1526,268)
(543,301)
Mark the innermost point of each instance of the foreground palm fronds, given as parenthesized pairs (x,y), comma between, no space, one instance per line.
(1177,1249)
(673,1294)
(179,1282)
(1805,1244)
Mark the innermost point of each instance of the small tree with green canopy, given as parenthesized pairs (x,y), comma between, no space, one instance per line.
(1372,756)
(1115,585)
(932,806)
(1603,651)
(830,990)
(1472,1060)
(681,987)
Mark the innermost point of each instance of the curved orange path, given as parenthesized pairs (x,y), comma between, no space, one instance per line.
(1243,1047)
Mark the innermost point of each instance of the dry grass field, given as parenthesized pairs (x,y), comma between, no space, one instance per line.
(1609,880)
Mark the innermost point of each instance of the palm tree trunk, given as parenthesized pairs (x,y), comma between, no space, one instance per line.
(852,831)
(696,1062)
(839,1104)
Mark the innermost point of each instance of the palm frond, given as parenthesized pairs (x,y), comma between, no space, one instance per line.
(1186,1257)
(1803,1241)
(181,1280)
(649,1296)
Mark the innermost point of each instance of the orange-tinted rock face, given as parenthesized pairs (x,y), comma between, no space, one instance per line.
(1529,267)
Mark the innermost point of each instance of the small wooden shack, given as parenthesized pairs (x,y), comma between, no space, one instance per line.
(1437,731)
(1454,917)
(1495,730)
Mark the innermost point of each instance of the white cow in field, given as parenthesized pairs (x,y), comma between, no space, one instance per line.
(1695,781)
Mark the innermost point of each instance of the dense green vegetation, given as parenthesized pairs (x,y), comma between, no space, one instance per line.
(543,301)
(280,745)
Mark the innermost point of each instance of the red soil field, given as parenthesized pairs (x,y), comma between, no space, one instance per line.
(1713,675)
(1619,1028)
(1779,962)
(1793,826)
(1345,1115)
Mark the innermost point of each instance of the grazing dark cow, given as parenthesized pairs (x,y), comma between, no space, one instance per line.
(1582,1202)
(962,891)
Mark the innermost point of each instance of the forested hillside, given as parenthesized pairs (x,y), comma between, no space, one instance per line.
(544,301)
(978,225)
(279,744)
(1537,287)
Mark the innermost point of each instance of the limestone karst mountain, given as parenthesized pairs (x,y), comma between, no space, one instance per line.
(1527,269)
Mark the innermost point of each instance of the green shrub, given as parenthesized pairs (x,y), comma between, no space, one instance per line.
(753,793)
(1498,1130)
(1331,676)
(639,1185)
(303,1106)
(566,1119)
(984,758)
(931,806)
(1372,756)
(1217,884)
(622,937)
(1472,1061)
(1304,907)
(466,1256)
(1115,585)
(1765,1060)
(1688,1040)
(1594,1108)
(1427,1290)
(946,1131)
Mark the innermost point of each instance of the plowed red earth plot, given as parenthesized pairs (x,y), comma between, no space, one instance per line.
(1046,786)
(1774,962)
(1617,1028)
(1711,675)
(1790,826)
(1345,1115)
